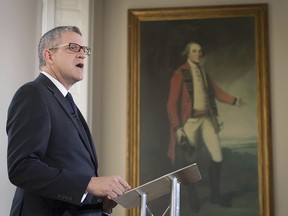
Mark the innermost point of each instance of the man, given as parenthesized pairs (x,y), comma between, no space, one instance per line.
(51,155)
(193,114)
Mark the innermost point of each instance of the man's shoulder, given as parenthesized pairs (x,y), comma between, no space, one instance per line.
(34,88)
(31,85)
(183,67)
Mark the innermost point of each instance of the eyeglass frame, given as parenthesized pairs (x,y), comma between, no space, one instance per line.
(87,50)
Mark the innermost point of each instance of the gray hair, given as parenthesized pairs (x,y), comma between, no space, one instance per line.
(52,39)
(187,48)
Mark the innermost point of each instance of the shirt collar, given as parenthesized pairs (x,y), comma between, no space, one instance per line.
(59,86)
(192,64)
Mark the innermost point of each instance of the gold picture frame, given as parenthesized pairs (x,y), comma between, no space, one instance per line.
(237,35)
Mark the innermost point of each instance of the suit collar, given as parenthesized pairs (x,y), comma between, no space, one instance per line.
(185,66)
(59,85)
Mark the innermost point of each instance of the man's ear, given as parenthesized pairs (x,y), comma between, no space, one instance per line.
(47,54)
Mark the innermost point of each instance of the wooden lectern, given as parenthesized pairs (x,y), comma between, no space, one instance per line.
(159,187)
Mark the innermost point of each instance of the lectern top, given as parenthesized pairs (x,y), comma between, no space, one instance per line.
(159,187)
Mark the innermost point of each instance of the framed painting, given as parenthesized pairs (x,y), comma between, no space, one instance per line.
(199,92)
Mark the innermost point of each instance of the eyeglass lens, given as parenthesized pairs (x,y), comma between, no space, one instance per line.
(76,48)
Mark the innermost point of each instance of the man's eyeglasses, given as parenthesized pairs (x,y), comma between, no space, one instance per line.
(74,47)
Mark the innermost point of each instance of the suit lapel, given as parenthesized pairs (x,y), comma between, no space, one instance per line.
(79,123)
(88,135)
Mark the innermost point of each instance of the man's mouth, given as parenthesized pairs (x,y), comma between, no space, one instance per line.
(80,65)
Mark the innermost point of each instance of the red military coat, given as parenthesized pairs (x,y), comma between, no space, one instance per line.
(179,98)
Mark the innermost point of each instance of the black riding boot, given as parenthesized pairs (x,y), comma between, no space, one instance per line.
(214,177)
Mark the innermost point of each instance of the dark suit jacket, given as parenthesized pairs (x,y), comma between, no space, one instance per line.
(51,156)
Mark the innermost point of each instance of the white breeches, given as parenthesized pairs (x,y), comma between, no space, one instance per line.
(196,127)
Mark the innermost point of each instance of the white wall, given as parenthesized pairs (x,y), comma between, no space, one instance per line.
(114,85)
(20,25)
(76,12)
(20,32)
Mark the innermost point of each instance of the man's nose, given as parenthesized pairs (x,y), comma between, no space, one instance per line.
(81,54)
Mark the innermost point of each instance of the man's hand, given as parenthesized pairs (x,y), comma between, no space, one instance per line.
(180,133)
(240,102)
(107,186)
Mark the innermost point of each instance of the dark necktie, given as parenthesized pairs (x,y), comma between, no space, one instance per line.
(74,112)
(72,103)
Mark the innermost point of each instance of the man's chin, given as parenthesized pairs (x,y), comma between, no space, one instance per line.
(80,75)
(80,78)
(77,79)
